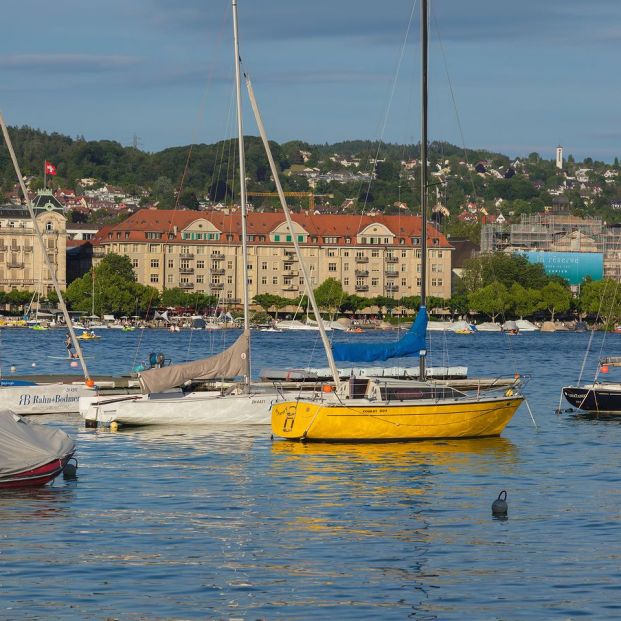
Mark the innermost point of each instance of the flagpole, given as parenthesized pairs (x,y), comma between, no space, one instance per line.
(44,174)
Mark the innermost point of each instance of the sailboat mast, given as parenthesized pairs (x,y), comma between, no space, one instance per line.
(242,183)
(424,36)
(283,201)
(46,259)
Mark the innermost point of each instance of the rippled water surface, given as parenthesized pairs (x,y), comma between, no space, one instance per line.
(186,523)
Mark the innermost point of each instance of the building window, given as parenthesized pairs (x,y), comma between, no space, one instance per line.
(276,238)
(170,279)
(374,282)
(155,263)
(200,278)
(274,280)
(154,247)
(134,262)
(345,267)
(264,280)
(345,281)
(332,267)
(49,226)
(229,265)
(331,252)
(200,265)
(375,253)
(404,282)
(229,280)
(263,265)
(155,278)
(300,238)
(171,263)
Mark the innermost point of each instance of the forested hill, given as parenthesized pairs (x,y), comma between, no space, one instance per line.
(353,175)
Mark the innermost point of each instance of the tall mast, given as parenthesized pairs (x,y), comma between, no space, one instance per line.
(283,201)
(423,168)
(242,184)
(46,259)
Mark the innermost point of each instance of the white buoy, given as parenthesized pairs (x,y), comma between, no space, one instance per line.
(34,364)
(13,369)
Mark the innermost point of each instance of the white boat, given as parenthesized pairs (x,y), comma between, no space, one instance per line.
(524,325)
(239,405)
(296,324)
(489,326)
(440,326)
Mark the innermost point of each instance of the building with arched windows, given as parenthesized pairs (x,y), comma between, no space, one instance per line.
(202,251)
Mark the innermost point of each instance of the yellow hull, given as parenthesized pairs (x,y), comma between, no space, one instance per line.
(373,422)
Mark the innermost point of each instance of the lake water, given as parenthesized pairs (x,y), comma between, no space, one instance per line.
(180,523)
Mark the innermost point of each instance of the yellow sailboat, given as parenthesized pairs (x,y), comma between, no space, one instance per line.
(377,410)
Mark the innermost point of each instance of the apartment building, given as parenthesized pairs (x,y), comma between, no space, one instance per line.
(202,251)
(22,265)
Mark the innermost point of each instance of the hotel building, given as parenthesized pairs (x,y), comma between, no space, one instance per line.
(21,258)
(202,252)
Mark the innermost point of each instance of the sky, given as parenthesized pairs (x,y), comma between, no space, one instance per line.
(512,77)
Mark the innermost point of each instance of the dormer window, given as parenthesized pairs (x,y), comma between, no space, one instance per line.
(49,226)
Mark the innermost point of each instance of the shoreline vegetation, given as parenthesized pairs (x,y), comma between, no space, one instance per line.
(494,288)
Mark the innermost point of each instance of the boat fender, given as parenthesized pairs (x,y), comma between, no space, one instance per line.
(500,506)
(509,392)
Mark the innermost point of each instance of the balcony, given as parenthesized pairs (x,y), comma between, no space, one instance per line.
(217,256)
(392,259)
(28,248)
(361,273)
(362,259)
(391,274)
(186,270)
(217,271)
(99,252)
(362,287)
(291,272)
(290,287)
(186,285)
(216,286)
(186,255)
(392,288)
(15,264)
(15,248)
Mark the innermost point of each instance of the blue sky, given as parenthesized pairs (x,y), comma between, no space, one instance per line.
(520,76)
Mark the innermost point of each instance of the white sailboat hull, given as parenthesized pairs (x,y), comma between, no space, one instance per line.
(193,408)
(43,398)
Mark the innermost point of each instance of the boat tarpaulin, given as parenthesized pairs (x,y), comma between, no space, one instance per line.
(408,345)
(26,446)
(232,362)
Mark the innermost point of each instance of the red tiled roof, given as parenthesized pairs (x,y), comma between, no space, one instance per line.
(317,225)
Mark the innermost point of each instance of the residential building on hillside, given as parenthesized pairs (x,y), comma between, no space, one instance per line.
(22,265)
(201,251)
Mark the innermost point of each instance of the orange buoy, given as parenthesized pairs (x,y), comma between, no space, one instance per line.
(604,368)
(90,382)
(326,388)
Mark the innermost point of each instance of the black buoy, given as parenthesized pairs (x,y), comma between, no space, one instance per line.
(70,471)
(500,506)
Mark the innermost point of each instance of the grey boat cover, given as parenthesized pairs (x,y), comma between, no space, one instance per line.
(232,362)
(25,445)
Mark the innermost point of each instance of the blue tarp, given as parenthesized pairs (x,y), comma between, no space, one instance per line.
(408,345)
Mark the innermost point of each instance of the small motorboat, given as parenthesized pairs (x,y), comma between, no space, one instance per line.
(88,336)
(31,454)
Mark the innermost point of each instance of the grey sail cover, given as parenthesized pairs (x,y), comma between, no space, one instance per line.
(232,362)
(25,446)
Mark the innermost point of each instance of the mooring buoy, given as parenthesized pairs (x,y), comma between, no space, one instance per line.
(500,506)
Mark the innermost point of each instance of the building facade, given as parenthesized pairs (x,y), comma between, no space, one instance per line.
(22,265)
(558,233)
(202,252)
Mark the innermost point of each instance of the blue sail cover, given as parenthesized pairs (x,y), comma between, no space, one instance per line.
(408,345)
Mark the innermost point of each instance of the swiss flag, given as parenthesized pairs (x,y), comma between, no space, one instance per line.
(50,169)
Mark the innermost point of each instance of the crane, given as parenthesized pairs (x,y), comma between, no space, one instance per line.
(311,197)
